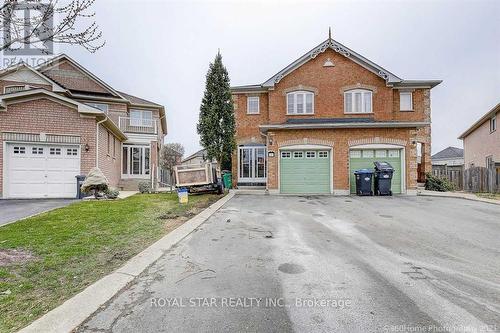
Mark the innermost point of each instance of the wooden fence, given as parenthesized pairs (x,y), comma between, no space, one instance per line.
(455,174)
(480,179)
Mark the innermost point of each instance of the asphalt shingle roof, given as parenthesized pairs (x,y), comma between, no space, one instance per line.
(450,152)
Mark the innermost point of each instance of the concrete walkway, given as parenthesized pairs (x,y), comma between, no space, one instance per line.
(126,194)
(460,195)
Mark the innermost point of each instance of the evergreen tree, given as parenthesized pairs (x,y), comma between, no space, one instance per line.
(216,125)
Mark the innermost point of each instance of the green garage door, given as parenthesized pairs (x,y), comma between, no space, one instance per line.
(364,158)
(305,171)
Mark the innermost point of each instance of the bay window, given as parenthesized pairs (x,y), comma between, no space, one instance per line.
(358,101)
(300,102)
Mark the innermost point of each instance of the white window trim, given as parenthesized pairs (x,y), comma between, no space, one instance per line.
(411,101)
(295,93)
(24,86)
(362,91)
(249,98)
(298,152)
(144,122)
(493,124)
(323,152)
(286,153)
(143,174)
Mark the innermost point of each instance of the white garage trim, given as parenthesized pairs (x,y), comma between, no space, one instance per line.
(306,147)
(6,153)
(384,146)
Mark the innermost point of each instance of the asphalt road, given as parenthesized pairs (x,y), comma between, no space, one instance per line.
(13,210)
(323,264)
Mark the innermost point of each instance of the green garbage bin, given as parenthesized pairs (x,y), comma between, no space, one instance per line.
(227,180)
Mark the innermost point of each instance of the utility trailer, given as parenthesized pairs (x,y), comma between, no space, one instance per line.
(198,178)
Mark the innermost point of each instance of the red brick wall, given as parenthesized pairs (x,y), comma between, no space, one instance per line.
(71,77)
(329,84)
(46,116)
(109,159)
(340,139)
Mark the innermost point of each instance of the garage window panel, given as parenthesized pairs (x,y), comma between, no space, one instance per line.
(323,154)
(310,154)
(298,154)
(71,151)
(37,151)
(355,153)
(55,151)
(19,150)
(381,153)
(368,153)
(393,153)
(286,154)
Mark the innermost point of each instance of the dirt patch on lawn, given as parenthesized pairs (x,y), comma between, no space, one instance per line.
(13,256)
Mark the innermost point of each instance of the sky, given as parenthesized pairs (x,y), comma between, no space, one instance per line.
(160,50)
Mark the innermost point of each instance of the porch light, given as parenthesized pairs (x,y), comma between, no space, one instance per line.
(87,148)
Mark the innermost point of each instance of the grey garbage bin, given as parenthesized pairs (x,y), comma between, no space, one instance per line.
(79,182)
(363,181)
(383,178)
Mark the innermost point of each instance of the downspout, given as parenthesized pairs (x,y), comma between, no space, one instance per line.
(97,141)
(267,161)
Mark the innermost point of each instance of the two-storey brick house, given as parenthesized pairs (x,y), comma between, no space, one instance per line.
(330,112)
(59,120)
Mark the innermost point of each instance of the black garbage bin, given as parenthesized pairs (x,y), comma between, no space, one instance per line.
(79,182)
(363,181)
(383,178)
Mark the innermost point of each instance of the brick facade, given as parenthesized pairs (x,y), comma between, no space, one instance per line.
(39,113)
(46,116)
(328,85)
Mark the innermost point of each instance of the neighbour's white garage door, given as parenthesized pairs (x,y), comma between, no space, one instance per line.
(41,171)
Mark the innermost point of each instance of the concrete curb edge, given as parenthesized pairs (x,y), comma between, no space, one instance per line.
(74,311)
(464,196)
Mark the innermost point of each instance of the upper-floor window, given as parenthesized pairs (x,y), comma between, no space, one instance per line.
(253,105)
(405,101)
(300,102)
(358,101)
(101,106)
(493,124)
(13,89)
(141,118)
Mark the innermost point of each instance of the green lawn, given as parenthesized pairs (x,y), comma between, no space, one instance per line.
(76,245)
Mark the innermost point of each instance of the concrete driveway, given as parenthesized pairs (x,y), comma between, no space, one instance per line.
(13,210)
(323,264)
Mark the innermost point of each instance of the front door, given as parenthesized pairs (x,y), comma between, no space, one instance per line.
(252,166)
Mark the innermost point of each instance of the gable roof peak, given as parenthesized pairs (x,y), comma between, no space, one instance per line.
(332,44)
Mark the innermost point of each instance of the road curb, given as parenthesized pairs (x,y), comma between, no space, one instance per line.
(74,311)
(464,196)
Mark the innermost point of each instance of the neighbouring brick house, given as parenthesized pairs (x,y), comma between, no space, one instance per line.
(330,112)
(482,153)
(58,120)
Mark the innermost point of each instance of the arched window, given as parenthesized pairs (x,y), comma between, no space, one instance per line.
(358,101)
(300,102)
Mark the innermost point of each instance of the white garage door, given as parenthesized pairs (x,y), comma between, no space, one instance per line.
(41,171)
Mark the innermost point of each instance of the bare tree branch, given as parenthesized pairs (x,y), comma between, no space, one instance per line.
(72,26)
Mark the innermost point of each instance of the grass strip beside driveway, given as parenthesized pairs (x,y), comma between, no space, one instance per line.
(59,253)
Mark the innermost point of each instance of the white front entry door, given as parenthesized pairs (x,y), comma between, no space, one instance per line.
(41,171)
(252,164)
